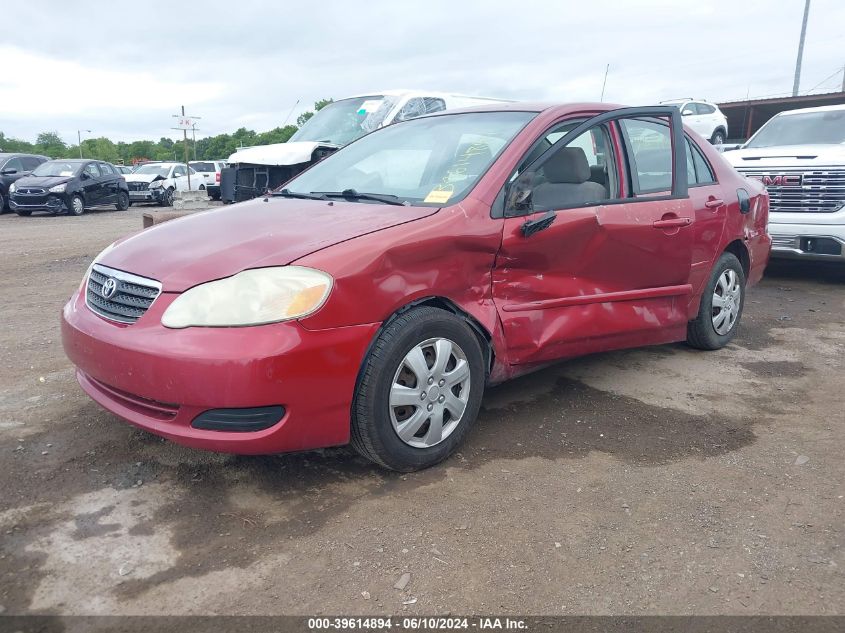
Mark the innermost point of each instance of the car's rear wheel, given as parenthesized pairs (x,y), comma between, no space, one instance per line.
(122,201)
(2,203)
(721,306)
(77,205)
(718,137)
(419,392)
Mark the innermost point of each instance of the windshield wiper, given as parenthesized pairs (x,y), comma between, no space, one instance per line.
(351,194)
(287,193)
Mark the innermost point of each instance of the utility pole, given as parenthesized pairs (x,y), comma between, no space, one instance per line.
(604,83)
(800,49)
(79,139)
(185,123)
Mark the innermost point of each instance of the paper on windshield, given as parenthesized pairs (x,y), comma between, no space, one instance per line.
(370,105)
(438,196)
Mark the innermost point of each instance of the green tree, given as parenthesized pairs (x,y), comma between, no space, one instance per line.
(51,144)
(302,119)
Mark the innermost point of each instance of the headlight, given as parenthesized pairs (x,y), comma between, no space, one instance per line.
(252,297)
(156,184)
(12,188)
(59,188)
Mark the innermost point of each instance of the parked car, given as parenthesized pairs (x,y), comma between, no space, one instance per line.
(254,170)
(799,155)
(69,186)
(122,169)
(157,182)
(13,167)
(374,297)
(210,172)
(703,117)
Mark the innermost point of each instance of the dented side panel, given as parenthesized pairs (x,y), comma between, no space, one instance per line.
(598,278)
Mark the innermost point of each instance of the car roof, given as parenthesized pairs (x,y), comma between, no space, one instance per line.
(827,108)
(10,154)
(524,106)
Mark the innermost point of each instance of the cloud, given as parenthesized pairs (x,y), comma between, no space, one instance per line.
(122,73)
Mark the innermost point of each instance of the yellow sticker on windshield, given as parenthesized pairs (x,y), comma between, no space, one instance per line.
(438,196)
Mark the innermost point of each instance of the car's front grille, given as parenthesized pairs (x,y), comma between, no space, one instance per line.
(119,296)
(30,200)
(802,190)
(31,190)
(138,186)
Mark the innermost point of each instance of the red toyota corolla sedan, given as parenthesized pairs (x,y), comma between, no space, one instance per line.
(375,296)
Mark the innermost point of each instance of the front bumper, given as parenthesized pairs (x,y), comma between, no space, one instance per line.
(161,379)
(51,202)
(144,195)
(820,242)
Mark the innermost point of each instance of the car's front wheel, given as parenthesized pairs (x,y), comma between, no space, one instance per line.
(721,306)
(122,201)
(77,205)
(167,198)
(420,390)
(718,137)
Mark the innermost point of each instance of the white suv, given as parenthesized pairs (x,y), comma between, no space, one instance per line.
(210,172)
(799,155)
(703,117)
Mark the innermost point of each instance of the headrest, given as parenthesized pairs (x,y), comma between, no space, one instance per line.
(568,165)
(654,161)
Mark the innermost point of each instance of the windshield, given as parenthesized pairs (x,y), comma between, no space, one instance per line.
(430,160)
(154,170)
(802,129)
(57,168)
(343,121)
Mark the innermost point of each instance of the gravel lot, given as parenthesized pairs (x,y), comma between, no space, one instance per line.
(652,481)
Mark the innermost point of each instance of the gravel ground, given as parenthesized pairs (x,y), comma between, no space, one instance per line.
(651,481)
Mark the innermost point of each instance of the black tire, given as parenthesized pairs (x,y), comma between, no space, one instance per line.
(167,198)
(2,203)
(718,137)
(373,434)
(22,213)
(215,196)
(122,201)
(77,205)
(701,332)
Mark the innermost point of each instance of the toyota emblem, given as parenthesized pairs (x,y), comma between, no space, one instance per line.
(109,288)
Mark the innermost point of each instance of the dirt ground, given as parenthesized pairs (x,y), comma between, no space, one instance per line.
(652,481)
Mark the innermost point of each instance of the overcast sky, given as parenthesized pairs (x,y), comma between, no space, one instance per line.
(121,68)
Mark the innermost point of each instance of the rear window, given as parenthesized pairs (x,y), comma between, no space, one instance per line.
(200,166)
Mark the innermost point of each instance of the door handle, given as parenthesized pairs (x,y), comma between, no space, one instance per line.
(671,223)
(714,203)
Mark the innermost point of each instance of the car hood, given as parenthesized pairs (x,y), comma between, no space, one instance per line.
(141,177)
(41,181)
(222,242)
(291,153)
(787,156)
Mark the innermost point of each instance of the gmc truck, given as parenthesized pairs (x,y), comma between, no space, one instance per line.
(799,156)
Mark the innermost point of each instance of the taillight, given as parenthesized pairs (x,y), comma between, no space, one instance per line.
(217,176)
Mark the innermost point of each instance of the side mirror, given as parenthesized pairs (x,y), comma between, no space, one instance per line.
(85,175)
(8,172)
(744,200)
(518,196)
(687,112)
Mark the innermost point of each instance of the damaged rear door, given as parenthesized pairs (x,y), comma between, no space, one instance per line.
(597,242)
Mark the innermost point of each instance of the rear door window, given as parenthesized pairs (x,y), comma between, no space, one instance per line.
(92,170)
(106,169)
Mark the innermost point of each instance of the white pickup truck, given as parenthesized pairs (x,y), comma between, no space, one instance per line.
(799,155)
